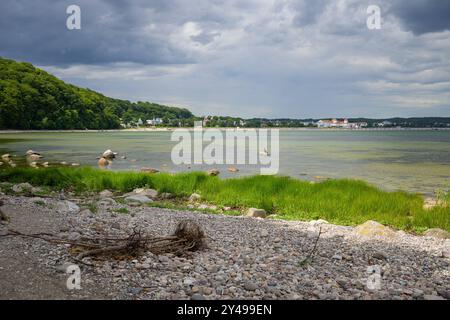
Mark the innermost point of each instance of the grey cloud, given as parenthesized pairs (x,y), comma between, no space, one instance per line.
(111,32)
(423,16)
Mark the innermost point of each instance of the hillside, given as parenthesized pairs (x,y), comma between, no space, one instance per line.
(31,98)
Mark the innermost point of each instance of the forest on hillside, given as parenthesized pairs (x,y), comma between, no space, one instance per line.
(31,98)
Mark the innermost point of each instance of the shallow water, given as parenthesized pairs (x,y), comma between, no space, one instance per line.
(417,161)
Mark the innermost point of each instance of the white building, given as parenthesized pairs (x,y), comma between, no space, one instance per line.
(154,121)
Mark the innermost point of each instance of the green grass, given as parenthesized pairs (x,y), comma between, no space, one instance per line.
(347,202)
(122,210)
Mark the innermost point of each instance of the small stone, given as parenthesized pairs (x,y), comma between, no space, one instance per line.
(437,233)
(107,202)
(73,236)
(195,289)
(432,297)
(71,207)
(197,296)
(188,281)
(256,213)
(22,187)
(250,286)
(115,225)
(445,293)
(151,193)
(318,222)
(213,172)
(166,195)
(380,255)
(137,199)
(63,267)
(342,283)
(164,259)
(194,197)
(247,260)
(207,291)
(148,170)
(264,233)
(105,194)
(417,293)
(337,257)
(134,291)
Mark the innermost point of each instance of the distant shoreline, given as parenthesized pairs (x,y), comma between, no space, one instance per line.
(167,129)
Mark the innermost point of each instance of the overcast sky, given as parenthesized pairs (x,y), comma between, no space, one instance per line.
(250,58)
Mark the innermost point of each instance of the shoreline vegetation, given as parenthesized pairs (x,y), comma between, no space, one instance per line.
(342,202)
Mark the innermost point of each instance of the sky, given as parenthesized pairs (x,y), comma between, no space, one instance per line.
(249,58)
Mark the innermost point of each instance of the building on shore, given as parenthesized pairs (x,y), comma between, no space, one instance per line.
(335,123)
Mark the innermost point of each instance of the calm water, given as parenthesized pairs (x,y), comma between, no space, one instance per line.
(416,161)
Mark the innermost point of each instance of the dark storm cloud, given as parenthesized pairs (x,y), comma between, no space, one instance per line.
(423,16)
(274,58)
(112,31)
(307,12)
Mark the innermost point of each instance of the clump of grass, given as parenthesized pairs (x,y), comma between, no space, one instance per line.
(343,201)
(40,202)
(122,210)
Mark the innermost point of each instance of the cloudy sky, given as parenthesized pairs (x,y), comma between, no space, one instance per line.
(250,58)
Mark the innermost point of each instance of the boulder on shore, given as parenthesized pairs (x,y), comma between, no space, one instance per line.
(256,213)
(151,193)
(21,187)
(437,233)
(372,229)
(137,200)
(109,155)
(106,194)
(194,197)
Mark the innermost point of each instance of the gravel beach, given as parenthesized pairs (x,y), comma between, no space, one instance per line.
(245,258)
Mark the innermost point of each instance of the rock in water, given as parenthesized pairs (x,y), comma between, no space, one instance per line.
(256,213)
(103,162)
(372,229)
(149,170)
(108,154)
(213,172)
(71,207)
(437,233)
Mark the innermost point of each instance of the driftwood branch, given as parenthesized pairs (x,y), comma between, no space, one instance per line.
(188,236)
